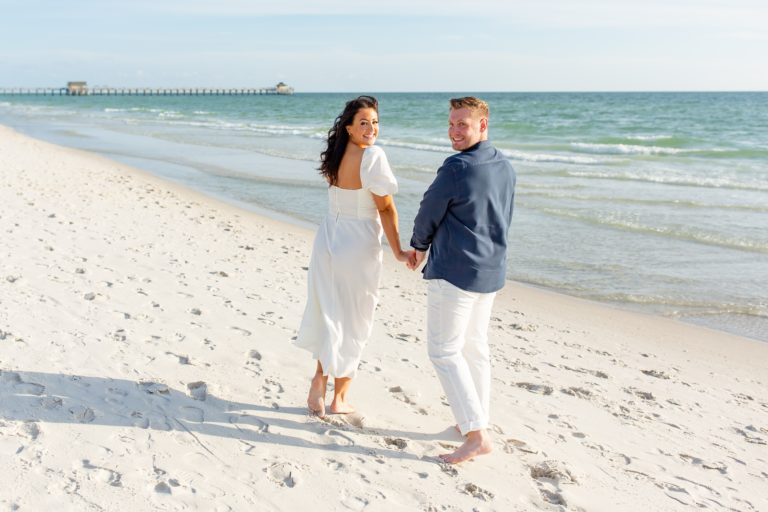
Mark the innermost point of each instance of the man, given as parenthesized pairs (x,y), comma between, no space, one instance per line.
(463,220)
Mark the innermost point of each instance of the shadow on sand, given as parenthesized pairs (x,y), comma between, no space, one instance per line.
(59,398)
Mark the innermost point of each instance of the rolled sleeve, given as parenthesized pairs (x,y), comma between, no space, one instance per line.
(434,205)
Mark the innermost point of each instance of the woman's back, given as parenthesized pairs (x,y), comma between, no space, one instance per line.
(349,169)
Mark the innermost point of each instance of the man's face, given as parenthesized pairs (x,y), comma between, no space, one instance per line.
(464,129)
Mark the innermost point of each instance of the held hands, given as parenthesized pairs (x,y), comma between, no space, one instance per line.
(417,260)
(412,258)
(407,257)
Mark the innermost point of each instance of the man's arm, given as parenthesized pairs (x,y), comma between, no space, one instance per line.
(434,205)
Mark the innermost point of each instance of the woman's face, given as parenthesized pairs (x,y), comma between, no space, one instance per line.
(364,128)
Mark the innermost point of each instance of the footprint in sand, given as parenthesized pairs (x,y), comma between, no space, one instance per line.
(162,488)
(253,362)
(477,492)
(51,402)
(511,444)
(677,493)
(549,474)
(335,465)
(354,419)
(153,388)
(596,373)
(339,438)
(410,338)
(10,378)
(553,498)
(198,390)
(82,414)
(448,469)
(282,474)
(158,422)
(552,470)
(645,395)
(138,420)
(748,436)
(577,392)
(354,502)
(521,327)
(104,475)
(266,318)
(272,389)
(399,443)
(407,397)
(29,388)
(245,419)
(535,388)
(182,359)
(656,373)
(29,429)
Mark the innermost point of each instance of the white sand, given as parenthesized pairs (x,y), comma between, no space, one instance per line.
(146,364)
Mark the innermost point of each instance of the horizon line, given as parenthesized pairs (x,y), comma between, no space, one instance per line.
(550,91)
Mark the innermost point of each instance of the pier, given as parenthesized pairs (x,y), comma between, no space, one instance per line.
(82,89)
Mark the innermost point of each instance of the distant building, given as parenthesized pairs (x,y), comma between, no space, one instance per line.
(77,88)
(283,88)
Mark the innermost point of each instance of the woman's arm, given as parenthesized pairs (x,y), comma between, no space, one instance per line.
(388,216)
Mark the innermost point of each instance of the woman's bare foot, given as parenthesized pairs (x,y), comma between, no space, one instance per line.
(316,399)
(341,407)
(340,404)
(478,443)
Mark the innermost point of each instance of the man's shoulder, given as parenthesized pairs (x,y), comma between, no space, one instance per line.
(484,153)
(454,162)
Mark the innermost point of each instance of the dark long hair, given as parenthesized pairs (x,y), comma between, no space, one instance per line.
(330,159)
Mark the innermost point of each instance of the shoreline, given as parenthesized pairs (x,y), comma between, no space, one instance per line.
(291,218)
(145,360)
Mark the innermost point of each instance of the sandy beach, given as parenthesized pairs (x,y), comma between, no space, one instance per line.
(146,364)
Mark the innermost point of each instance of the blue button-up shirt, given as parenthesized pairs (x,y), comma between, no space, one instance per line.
(464,218)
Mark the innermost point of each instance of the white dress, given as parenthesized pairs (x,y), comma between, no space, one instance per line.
(344,270)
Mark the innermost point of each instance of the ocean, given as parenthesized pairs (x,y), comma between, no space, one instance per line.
(655,202)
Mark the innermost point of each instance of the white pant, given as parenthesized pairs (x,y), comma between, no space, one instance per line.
(457,341)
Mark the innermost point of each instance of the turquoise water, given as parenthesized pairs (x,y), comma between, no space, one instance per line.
(650,201)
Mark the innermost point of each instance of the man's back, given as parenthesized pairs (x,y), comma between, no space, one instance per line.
(464,219)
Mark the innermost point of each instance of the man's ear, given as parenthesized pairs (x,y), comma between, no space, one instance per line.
(483,124)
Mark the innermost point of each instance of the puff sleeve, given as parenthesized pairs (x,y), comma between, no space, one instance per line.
(376,174)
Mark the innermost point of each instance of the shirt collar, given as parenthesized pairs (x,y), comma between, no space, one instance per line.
(479,145)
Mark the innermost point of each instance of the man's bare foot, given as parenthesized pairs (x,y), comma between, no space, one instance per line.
(478,443)
(316,399)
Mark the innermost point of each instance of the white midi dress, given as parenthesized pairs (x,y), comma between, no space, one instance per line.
(344,270)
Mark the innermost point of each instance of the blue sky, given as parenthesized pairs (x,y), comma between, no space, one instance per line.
(395,45)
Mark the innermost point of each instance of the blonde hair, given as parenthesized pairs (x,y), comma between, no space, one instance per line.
(475,105)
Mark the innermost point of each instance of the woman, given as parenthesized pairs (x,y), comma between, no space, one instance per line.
(347,254)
